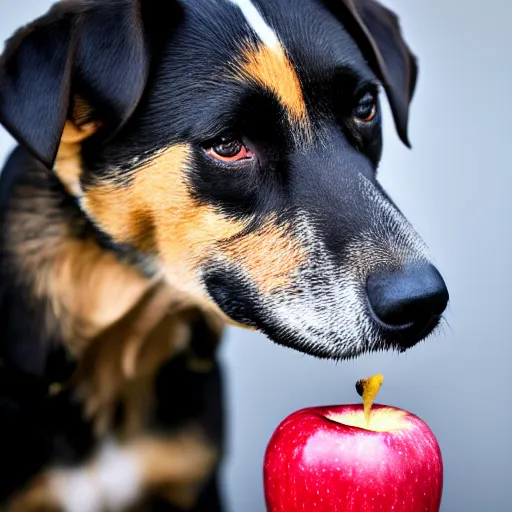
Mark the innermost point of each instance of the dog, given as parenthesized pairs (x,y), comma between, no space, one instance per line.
(182,166)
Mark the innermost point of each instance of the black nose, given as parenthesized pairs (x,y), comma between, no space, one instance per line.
(416,295)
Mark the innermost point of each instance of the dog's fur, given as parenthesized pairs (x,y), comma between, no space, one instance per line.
(127,244)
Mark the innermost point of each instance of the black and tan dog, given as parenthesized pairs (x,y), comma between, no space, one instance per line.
(182,165)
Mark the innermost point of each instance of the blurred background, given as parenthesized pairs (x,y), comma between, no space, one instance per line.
(454,186)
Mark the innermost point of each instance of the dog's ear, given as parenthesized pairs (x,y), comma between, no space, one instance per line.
(377,32)
(96,50)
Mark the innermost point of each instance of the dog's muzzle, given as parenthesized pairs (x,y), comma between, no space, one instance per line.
(366,282)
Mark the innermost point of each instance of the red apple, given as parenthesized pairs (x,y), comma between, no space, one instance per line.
(329,459)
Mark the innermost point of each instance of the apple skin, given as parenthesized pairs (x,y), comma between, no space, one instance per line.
(315,464)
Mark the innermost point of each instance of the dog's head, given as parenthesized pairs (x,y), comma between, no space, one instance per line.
(232,146)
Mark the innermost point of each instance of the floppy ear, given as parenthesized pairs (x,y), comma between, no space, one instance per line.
(377,31)
(95,49)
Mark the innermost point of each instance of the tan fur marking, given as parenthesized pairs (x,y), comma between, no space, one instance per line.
(68,163)
(118,367)
(156,211)
(271,68)
(270,256)
(186,233)
(88,288)
(177,460)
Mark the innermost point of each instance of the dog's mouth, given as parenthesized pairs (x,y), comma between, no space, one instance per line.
(332,344)
(337,322)
(404,337)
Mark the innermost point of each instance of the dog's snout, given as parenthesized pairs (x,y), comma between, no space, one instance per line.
(413,296)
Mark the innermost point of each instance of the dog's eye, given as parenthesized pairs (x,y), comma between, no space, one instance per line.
(366,110)
(229,150)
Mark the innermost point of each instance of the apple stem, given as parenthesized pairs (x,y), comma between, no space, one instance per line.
(368,389)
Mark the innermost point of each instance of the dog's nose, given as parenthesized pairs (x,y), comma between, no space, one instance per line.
(414,295)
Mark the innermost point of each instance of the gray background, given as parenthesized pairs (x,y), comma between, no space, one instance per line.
(454,186)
